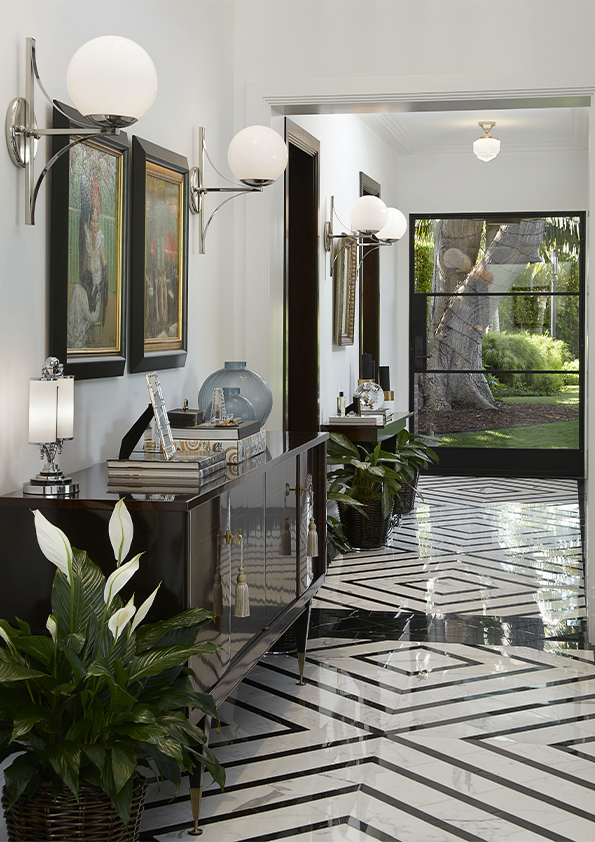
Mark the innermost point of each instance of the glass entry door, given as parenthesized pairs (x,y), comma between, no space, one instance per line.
(497,341)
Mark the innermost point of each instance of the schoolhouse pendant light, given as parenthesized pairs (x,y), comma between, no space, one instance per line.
(112,82)
(257,156)
(486,147)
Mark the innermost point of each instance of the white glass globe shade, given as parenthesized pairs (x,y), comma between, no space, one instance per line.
(257,156)
(368,214)
(394,228)
(112,81)
(486,148)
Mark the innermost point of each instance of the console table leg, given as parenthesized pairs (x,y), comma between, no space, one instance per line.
(196,782)
(301,626)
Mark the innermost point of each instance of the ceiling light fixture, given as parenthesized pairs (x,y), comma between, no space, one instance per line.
(486,147)
(257,156)
(111,81)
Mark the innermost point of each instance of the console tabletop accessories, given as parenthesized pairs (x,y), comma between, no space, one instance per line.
(51,423)
(112,82)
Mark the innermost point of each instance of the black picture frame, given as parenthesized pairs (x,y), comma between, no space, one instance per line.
(159,258)
(90,179)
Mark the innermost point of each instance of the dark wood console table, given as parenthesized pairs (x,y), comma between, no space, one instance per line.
(182,537)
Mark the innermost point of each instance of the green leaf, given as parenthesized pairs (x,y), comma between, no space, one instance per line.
(65,757)
(79,730)
(151,633)
(23,724)
(156,660)
(75,642)
(120,697)
(87,586)
(18,774)
(100,666)
(96,755)
(120,673)
(16,672)
(123,765)
(39,647)
(75,662)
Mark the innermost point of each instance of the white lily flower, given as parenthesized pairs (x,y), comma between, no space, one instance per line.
(144,609)
(119,578)
(120,619)
(54,544)
(52,626)
(120,531)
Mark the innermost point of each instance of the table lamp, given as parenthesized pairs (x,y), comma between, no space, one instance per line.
(51,423)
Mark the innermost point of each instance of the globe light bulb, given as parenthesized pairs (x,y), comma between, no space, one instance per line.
(257,156)
(394,228)
(112,81)
(368,214)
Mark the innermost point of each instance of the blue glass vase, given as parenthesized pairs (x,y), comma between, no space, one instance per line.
(251,386)
(236,405)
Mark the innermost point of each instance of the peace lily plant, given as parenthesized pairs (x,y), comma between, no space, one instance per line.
(103,693)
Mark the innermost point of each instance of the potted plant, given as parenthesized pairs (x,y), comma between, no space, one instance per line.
(414,452)
(364,485)
(99,697)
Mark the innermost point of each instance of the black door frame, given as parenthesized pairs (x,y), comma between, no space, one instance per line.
(301,329)
(522,462)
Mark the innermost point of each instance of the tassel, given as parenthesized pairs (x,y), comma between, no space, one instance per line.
(242,600)
(312,551)
(285,537)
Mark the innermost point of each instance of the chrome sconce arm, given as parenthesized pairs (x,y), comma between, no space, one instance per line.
(257,156)
(198,190)
(370,218)
(137,91)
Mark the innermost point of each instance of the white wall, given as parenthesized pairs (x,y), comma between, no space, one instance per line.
(191,45)
(348,146)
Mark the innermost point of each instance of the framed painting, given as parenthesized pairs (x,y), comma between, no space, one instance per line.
(345,282)
(159,269)
(88,251)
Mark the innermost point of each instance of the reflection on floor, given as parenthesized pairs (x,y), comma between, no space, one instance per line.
(450,692)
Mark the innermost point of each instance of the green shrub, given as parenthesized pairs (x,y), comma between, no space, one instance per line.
(528,354)
(424,267)
(571,373)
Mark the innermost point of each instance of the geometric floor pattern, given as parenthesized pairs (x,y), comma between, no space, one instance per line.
(450,694)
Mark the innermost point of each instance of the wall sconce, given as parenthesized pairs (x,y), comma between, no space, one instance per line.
(369,217)
(486,147)
(51,423)
(257,156)
(111,81)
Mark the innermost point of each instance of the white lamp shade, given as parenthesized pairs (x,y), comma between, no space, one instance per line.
(368,214)
(51,410)
(486,148)
(257,156)
(394,228)
(112,81)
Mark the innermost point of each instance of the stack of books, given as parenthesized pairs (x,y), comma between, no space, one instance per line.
(238,441)
(153,473)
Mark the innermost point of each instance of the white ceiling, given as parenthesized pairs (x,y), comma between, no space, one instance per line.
(453,132)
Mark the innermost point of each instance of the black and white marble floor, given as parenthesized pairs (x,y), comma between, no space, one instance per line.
(450,693)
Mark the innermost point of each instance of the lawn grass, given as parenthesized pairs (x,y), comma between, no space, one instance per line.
(556,436)
(569,396)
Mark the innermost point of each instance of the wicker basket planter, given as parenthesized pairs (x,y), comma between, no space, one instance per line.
(91,819)
(366,533)
(405,500)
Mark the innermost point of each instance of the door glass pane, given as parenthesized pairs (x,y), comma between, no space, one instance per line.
(546,416)
(497,345)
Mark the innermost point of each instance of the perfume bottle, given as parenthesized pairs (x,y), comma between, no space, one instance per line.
(341,404)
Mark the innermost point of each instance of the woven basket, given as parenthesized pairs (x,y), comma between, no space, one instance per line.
(365,533)
(92,819)
(405,499)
